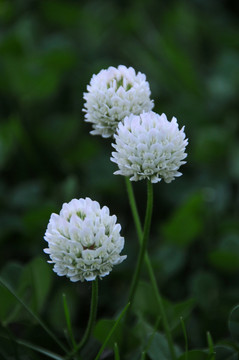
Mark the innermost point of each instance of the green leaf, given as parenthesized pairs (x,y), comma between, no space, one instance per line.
(168,260)
(33,315)
(61,13)
(226,256)
(37,278)
(12,273)
(186,223)
(150,341)
(31,283)
(233,322)
(159,347)
(180,63)
(225,260)
(205,289)
(225,353)
(103,327)
(55,313)
(234,164)
(58,56)
(211,144)
(7,141)
(112,330)
(9,306)
(143,297)
(179,310)
(196,355)
(28,73)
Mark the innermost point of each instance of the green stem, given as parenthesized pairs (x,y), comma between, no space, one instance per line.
(134,209)
(150,268)
(91,321)
(144,242)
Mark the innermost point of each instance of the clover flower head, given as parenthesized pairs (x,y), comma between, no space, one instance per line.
(149,146)
(112,95)
(84,240)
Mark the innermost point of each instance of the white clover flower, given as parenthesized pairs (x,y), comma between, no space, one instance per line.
(149,146)
(113,94)
(84,240)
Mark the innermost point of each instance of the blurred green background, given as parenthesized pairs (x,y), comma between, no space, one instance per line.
(189,52)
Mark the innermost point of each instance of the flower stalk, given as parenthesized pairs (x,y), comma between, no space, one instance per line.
(92,317)
(150,268)
(143,245)
(91,320)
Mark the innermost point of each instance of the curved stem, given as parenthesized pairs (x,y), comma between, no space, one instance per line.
(150,268)
(92,317)
(144,242)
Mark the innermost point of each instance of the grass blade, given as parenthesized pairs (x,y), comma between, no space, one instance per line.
(185,337)
(68,321)
(112,331)
(211,346)
(116,351)
(39,349)
(143,355)
(38,320)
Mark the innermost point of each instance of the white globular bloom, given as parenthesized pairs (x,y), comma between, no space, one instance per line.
(150,147)
(84,240)
(112,95)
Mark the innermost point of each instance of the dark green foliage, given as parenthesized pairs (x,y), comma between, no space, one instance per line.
(189,52)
